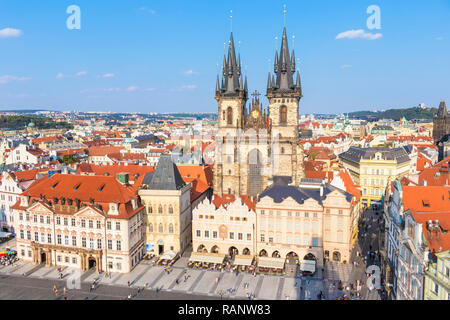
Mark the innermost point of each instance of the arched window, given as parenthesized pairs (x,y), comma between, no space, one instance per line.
(160,209)
(170,228)
(150,227)
(230,116)
(170,209)
(161,228)
(283,114)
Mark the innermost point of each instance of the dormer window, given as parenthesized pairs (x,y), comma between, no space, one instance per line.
(24,201)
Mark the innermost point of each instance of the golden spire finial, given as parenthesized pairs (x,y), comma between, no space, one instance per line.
(231,20)
(284,12)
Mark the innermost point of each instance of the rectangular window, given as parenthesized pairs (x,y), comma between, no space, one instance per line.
(21,216)
(74,241)
(119,266)
(91,224)
(263,239)
(315,242)
(315,215)
(108,225)
(35,218)
(83,223)
(58,258)
(66,240)
(91,243)
(66,221)
(117,225)
(99,243)
(199,233)
(74,260)
(83,242)
(240,236)
(28,235)
(66,259)
(119,245)
(59,239)
(73,222)
(214,234)
(22,235)
(249,236)
(262,212)
(36,237)
(270,239)
(206,234)
(231,235)
(297,226)
(306,214)
(109,244)
(58,220)
(99,224)
(27,217)
(41,219)
(48,220)
(263,223)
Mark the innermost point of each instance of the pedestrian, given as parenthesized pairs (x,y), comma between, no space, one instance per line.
(129,283)
(65,290)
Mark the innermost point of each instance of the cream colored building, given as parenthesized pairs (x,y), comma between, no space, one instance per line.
(373,168)
(168,214)
(314,220)
(225,224)
(437,278)
(80,221)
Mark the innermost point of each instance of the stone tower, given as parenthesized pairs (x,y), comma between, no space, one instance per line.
(441,123)
(284,96)
(232,96)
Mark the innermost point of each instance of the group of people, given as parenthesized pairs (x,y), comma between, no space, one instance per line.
(9,258)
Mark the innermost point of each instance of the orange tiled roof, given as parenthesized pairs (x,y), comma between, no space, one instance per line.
(103,150)
(102,190)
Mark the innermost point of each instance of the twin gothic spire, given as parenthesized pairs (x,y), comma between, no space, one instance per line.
(232,78)
(282,80)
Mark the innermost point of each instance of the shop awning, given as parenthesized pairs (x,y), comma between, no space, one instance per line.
(308,265)
(169,255)
(243,260)
(207,257)
(271,263)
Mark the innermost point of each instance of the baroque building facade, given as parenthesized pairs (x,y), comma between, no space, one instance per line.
(255,147)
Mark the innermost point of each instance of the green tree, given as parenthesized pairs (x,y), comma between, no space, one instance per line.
(69,159)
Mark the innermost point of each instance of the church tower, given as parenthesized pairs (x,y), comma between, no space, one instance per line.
(284,96)
(231,96)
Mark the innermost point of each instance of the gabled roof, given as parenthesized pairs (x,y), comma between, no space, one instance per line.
(166,176)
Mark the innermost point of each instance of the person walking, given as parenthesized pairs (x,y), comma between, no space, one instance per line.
(129,284)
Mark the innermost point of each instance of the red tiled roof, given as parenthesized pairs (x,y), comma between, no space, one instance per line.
(103,150)
(226,199)
(102,190)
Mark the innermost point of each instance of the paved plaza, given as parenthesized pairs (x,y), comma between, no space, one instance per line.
(180,281)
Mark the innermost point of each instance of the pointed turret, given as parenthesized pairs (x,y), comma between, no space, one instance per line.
(298,83)
(284,69)
(245,86)
(217,84)
(231,71)
(269,82)
(442,112)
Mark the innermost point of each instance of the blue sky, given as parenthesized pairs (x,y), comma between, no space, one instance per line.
(162,56)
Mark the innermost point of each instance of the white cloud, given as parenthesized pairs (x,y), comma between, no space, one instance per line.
(108,75)
(358,34)
(440,38)
(149,89)
(151,11)
(10,33)
(185,87)
(59,76)
(8,78)
(346,66)
(81,73)
(190,73)
(132,88)
(112,90)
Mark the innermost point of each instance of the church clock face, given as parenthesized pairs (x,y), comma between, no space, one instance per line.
(255,114)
